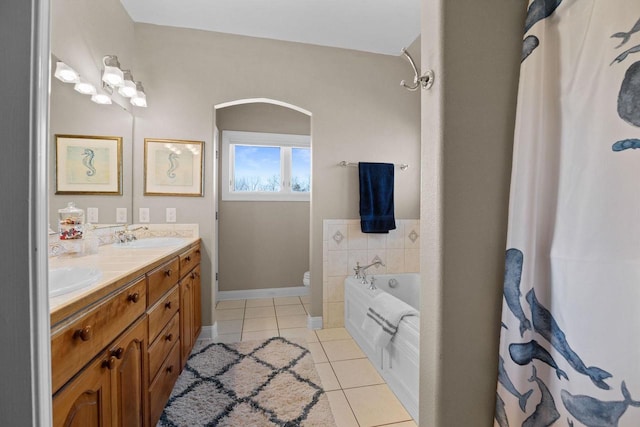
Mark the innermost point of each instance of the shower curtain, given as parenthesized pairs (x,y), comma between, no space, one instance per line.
(570,334)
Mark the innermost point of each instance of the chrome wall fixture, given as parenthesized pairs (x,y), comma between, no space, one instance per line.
(424,80)
(113,78)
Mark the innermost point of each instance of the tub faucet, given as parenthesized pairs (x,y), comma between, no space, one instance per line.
(372,286)
(361,272)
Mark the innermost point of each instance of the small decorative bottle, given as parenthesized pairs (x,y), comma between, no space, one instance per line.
(70,222)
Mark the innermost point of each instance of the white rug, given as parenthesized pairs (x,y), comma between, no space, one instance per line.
(254,383)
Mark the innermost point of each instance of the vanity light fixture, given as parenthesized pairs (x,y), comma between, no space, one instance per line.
(101,98)
(140,98)
(128,88)
(85,88)
(112,74)
(65,73)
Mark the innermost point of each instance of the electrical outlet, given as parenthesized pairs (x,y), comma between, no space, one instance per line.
(171,214)
(143,215)
(92,215)
(121,215)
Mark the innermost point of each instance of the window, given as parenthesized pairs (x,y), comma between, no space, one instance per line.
(265,166)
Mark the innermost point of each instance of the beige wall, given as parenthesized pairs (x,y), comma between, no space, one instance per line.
(359,112)
(467,145)
(262,244)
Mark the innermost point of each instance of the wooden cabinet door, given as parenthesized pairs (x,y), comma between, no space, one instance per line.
(186,317)
(197,301)
(129,376)
(86,400)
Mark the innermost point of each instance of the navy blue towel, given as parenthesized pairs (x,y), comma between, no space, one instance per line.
(376,197)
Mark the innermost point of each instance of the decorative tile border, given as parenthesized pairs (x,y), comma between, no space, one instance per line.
(344,245)
(106,235)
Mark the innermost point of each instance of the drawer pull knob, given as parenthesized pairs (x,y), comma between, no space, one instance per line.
(168,337)
(134,298)
(110,363)
(187,258)
(169,369)
(167,305)
(194,275)
(198,252)
(167,273)
(84,334)
(118,353)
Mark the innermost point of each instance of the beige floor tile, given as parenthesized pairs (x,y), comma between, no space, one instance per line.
(403,424)
(306,299)
(230,314)
(342,350)
(260,324)
(290,310)
(287,300)
(256,312)
(259,335)
(376,405)
(340,408)
(236,303)
(327,377)
(317,352)
(228,338)
(305,333)
(299,321)
(260,302)
(229,326)
(333,334)
(356,373)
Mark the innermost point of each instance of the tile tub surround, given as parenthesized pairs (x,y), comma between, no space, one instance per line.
(105,233)
(344,244)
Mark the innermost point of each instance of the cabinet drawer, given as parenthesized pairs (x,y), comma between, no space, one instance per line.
(164,310)
(162,279)
(82,339)
(160,388)
(160,348)
(189,259)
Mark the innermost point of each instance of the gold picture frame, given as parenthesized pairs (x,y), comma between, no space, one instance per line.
(173,167)
(88,164)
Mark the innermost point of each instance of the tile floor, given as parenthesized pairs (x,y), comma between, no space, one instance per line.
(358,396)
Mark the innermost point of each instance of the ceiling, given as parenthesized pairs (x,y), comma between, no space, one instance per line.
(378,26)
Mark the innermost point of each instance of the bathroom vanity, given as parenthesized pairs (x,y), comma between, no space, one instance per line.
(118,347)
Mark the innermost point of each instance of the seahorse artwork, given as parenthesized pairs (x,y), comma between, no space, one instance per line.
(87,161)
(173,162)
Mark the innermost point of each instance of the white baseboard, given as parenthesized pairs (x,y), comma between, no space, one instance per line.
(208,333)
(314,322)
(293,291)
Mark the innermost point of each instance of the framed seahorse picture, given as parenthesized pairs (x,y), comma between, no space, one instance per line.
(88,164)
(173,167)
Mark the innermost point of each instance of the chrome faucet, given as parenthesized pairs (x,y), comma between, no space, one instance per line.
(126,235)
(361,272)
(372,285)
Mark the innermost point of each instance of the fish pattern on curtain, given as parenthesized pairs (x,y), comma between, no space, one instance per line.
(570,333)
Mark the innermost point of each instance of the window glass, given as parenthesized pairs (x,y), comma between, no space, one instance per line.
(257,168)
(301,170)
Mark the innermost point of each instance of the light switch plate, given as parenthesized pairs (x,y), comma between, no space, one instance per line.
(143,215)
(121,215)
(171,214)
(92,215)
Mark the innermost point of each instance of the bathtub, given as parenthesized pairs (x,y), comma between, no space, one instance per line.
(398,363)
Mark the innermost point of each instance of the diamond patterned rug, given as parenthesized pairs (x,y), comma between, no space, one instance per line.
(253,383)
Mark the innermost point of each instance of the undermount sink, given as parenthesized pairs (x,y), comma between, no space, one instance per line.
(67,279)
(152,242)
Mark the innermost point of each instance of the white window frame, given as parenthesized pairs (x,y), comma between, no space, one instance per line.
(285,142)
